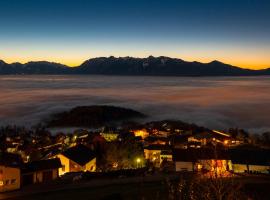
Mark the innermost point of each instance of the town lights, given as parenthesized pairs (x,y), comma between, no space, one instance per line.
(138,161)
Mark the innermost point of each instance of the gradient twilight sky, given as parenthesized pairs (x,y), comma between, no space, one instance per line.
(70,31)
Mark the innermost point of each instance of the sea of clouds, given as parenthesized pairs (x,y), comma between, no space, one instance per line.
(214,102)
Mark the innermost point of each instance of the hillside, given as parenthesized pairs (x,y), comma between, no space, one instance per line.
(92,116)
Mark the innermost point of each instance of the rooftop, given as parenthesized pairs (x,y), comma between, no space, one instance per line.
(10,159)
(41,165)
(80,154)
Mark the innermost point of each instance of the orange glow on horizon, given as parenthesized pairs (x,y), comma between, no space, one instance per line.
(254,64)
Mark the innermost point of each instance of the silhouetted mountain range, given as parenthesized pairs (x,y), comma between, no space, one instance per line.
(151,66)
(41,67)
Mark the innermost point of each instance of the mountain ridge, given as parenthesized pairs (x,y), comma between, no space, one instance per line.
(149,66)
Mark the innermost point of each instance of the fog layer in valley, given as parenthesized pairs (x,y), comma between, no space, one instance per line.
(214,102)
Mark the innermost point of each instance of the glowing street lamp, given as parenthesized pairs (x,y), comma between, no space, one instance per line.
(138,161)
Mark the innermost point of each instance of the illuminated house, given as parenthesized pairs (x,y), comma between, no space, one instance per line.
(214,162)
(202,160)
(166,155)
(184,160)
(210,137)
(141,133)
(40,171)
(250,161)
(76,159)
(157,153)
(9,172)
(109,136)
(153,140)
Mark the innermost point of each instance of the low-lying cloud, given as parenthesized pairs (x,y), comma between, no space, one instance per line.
(215,102)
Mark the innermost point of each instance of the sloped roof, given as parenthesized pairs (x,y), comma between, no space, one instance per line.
(157,147)
(10,159)
(80,154)
(192,155)
(250,156)
(41,165)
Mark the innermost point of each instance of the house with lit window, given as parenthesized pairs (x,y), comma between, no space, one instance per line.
(157,153)
(10,172)
(205,160)
(40,171)
(256,161)
(143,133)
(110,136)
(184,160)
(76,159)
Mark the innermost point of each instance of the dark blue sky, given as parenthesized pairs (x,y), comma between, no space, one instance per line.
(70,31)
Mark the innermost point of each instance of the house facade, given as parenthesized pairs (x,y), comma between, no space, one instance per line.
(250,161)
(157,153)
(202,160)
(76,159)
(10,172)
(9,178)
(40,171)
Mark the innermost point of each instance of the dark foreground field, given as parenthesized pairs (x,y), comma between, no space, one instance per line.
(130,191)
(255,188)
(151,187)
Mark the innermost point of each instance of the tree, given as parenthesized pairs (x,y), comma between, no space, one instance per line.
(121,155)
(266,138)
(202,188)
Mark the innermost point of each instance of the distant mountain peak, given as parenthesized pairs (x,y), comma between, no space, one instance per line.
(2,62)
(149,66)
(217,62)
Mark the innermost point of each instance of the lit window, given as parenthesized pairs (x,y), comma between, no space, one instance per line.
(1,183)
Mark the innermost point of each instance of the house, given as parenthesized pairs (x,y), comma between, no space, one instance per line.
(180,142)
(161,133)
(110,136)
(156,153)
(184,160)
(213,161)
(77,158)
(250,161)
(143,133)
(202,160)
(40,171)
(9,172)
(153,140)
(166,155)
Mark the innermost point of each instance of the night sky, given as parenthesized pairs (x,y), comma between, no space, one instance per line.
(70,31)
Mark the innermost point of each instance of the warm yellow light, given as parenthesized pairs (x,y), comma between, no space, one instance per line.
(221,133)
(115,165)
(1,183)
(138,160)
(226,142)
(141,133)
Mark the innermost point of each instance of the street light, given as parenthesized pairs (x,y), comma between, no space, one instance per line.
(138,161)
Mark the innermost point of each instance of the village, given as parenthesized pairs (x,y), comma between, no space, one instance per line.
(35,156)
